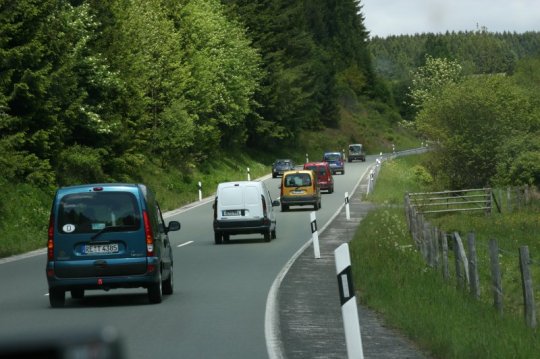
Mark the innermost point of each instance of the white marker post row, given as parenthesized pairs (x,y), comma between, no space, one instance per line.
(315,236)
(349,309)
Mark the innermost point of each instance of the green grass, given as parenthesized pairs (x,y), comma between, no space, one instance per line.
(175,189)
(392,277)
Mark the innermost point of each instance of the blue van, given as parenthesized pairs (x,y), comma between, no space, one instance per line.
(335,161)
(106,236)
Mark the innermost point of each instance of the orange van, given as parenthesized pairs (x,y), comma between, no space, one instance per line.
(300,188)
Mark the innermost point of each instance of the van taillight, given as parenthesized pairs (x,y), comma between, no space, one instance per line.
(50,239)
(148,235)
(263,206)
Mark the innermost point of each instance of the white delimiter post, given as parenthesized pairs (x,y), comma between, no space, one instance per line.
(249,175)
(200,191)
(349,310)
(347,209)
(315,236)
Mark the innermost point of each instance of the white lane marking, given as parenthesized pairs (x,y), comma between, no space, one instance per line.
(184,244)
(23,256)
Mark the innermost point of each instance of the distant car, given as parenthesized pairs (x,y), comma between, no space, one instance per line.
(280,166)
(300,188)
(324,174)
(106,236)
(243,207)
(335,161)
(356,153)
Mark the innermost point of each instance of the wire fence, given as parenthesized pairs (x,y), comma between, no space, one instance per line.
(480,266)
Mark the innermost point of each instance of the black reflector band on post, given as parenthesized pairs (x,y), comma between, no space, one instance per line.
(313,226)
(346,200)
(346,289)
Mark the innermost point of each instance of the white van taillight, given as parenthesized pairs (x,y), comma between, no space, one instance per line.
(264,206)
(148,235)
(50,239)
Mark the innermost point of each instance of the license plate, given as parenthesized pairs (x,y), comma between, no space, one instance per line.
(298,192)
(232,212)
(101,248)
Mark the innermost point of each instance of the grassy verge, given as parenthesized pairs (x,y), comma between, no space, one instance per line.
(392,278)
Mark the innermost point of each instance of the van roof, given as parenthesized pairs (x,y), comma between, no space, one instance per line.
(237,183)
(296,171)
(93,186)
(318,164)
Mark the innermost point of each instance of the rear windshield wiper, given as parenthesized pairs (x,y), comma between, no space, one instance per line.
(111,229)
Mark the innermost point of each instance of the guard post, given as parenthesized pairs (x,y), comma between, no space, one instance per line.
(315,236)
(347,209)
(349,309)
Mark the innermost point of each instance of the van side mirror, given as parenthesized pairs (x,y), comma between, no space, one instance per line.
(173,226)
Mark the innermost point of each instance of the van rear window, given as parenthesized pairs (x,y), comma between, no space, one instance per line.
(93,211)
(298,180)
(320,170)
(332,157)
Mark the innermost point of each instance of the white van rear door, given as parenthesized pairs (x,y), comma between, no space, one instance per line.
(239,202)
(253,202)
(230,202)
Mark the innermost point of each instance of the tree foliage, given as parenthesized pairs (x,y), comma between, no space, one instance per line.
(474,122)
(312,53)
(478,52)
(113,83)
(429,80)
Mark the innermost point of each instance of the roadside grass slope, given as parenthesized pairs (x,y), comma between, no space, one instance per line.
(392,278)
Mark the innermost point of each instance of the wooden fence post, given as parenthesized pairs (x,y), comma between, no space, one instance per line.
(408,210)
(509,199)
(528,292)
(435,247)
(426,242)
(489,202)
(473,266)
(457,261)
(461,261)
(500,197)
(496,280)
(444,248)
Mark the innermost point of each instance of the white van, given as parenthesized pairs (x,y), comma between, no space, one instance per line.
(243,207)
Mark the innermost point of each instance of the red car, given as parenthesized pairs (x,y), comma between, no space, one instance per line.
(324,174)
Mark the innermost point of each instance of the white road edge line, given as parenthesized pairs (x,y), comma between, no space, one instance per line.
(274,345)
(184,244)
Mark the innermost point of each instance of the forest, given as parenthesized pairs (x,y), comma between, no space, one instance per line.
(92,90)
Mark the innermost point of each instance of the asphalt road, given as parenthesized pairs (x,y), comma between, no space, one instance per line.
(220,307)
